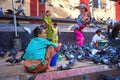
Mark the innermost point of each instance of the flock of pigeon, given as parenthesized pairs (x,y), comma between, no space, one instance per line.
(109,55)
(13,59)
(13,52)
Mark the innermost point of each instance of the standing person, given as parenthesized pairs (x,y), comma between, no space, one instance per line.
(1,11)
(55,33)
(79,35)
(112,27)
(82,22)
(83,14)
(115,30)
(39,52)
(47,21)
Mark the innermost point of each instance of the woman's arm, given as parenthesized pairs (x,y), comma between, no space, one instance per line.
(56,46)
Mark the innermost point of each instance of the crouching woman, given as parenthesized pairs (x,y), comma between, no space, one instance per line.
(39,52)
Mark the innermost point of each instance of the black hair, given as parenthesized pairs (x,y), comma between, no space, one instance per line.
(98,31)
(55,24)
(38,30)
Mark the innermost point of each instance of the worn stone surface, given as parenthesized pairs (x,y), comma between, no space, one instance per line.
(17,72)
(73,72)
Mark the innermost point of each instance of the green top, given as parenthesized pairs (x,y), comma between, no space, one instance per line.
(36,49)
(49,30)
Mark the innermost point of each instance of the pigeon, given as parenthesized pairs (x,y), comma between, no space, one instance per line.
(106,61)
(69,56)
(18,60)
(9,11)
(61,5)
(111,51)
(28,30)
(14,52)
(18,1)
(94,51)
(68,17)
(10,60)
(95,60)
(64,67)
(64,47)
(79,57)
(72,62)
(118,65)
(2,52)
(50,4)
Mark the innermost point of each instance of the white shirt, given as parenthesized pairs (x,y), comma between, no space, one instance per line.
(96,38)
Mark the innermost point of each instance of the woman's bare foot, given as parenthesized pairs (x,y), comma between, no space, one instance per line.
(51,69)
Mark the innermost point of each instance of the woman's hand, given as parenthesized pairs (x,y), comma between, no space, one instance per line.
(58,47)
(59,44)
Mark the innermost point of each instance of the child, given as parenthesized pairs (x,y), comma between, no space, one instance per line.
(39,52)
(55,33)
(98,36)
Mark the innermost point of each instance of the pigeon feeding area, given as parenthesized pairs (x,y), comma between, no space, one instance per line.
(85,63)
(72,60)
(73,54)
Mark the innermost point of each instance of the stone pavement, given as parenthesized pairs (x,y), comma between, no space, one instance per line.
(17,72)
(12,72)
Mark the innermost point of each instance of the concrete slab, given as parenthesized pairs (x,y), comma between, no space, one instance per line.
(72,72)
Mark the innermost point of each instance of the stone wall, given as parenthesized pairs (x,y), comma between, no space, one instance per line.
(61,12)
(7,4)
(7,36)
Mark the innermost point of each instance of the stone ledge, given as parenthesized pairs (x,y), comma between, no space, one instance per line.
(72,72)
(36,18)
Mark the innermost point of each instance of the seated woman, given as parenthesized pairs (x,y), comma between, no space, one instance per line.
(96,38)
(39,52)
